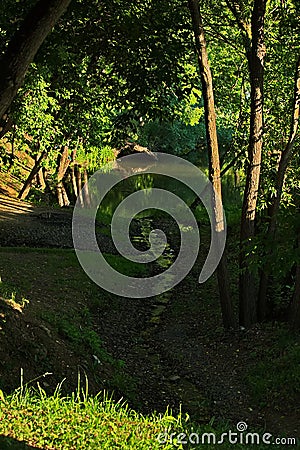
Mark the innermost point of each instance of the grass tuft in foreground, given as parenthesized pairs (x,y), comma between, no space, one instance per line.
(30,417)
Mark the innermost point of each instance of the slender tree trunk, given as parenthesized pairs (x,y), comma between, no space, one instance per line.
(27,185)
(214,160)
(73,178)
(41,178)
(73,175)
(64,163)
(79,184)
(274,207)
(24,45)
(236,179)
(65,196)
(86,194)
(59,192)
(248,295)
(62,195)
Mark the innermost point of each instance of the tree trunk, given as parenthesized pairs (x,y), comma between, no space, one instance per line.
(248,313)
(274,207)
(74,183)
(62,195)
(64,162)
(79,184)
(73,176)
(59,192)
(236,179)
(86,194)
(26,187)
(214,160)
(41,178)
(65,196)
(24,45)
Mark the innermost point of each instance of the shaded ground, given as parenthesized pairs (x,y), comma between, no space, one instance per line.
(173,346)
(24,225)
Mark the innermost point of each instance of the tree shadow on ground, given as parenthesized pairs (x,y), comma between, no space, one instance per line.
(7,443)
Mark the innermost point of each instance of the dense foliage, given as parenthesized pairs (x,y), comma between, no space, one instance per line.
(112,72)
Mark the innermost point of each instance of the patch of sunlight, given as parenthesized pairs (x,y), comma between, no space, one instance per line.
(13,304)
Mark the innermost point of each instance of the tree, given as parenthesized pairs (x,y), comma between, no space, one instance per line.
(63,164)
(92,96)
(275,204)
(254,43)
(213,151)
(80,93)
(34,171)
(24,45)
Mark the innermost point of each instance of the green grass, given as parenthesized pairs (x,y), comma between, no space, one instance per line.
(84,422)
(78,331)
(80,421)
(9,295)
(126,267)
(60,273)
(64,297)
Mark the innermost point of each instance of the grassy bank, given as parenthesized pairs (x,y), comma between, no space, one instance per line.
(31,419)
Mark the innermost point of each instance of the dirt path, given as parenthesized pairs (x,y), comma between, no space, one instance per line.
(173,344)
(23,224)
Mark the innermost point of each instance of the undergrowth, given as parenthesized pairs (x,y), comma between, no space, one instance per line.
(80,421)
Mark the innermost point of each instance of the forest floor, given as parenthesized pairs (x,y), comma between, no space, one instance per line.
(168,350)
